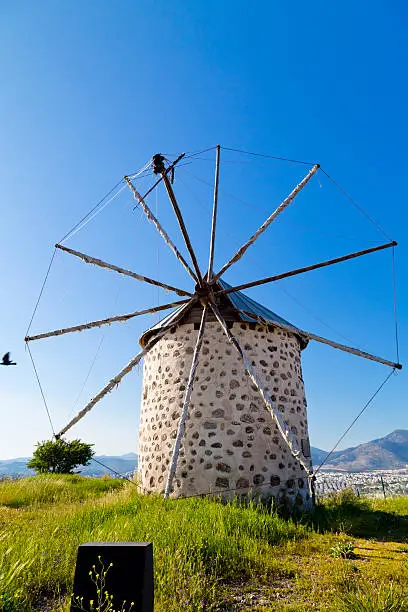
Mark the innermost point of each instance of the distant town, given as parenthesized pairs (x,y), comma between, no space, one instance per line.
(377,483)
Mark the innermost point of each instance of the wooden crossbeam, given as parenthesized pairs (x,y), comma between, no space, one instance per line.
(108,321)
(267,223)
(108,266)
(329,262)
(281,424)
(117,379)
(214,214)
(310,336)
(179,216)
(158,225)
(186,404)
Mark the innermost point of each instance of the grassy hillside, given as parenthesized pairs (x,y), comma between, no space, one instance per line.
(208,556)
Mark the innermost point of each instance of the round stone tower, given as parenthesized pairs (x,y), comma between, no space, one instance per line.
(231,444)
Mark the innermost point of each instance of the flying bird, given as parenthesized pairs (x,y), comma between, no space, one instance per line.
(6,360)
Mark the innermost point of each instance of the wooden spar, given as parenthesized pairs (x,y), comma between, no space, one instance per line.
(139,277)
(268,221)
(309,336)
(160,229)
(125,317)
(177,211)
(214,215)
(283,427)
(117,379)
(330,262)
(186,403)
(108,388)
(353,351)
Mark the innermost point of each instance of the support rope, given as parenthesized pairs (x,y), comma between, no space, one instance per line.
(363,212)
(355,420)
(41,389)
(91,211)
(394,279)
(81,225)
(41,292)
(295,161)
(115,472)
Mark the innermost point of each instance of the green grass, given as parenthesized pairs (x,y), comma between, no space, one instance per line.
(50,489)
(208,555)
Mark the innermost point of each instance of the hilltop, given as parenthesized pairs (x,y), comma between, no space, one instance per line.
(350,555)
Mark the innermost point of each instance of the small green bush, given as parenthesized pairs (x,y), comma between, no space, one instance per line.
(60,456)
(343,550)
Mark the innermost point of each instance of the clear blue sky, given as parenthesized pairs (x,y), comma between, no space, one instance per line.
(91,90)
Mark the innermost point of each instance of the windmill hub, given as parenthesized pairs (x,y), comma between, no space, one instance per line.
(204,291)
(158,163)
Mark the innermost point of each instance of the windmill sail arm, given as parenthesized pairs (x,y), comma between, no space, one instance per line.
(108,266)
(214,213)
(283,427)
(108,321)
(107,389)
(268,221)
(323,264)
(117,379)
(353,351)
(310,336)
(179,216)
(159,227)
(186,403)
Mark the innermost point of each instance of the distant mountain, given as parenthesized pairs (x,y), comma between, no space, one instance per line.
(122,465)
(388,453)
(317,455)
(15,467)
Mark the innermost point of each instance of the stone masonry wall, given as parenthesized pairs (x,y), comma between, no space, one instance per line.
(230,441)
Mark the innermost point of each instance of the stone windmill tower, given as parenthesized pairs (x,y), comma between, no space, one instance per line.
(223,404)
(232,443)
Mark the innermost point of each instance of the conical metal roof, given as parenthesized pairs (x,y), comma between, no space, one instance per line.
(240,303)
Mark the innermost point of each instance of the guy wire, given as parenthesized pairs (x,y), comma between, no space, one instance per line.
(363,212)
(295,161)
(41,292)
(355,420)
(395,303)
(42,392)
(91,211)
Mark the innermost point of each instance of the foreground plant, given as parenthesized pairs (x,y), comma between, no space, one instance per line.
(343,550)
(60,456)
(104,600)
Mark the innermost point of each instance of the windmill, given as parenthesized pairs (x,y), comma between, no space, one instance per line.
(223,402)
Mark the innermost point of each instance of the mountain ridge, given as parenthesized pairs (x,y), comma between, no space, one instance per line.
(121,464)
(387,453)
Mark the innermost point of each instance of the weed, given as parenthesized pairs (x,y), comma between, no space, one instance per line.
(343,550)
(104,600)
